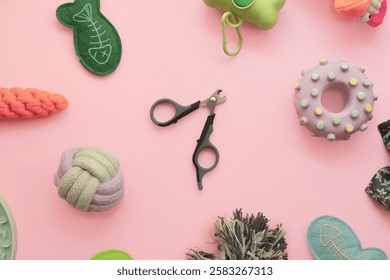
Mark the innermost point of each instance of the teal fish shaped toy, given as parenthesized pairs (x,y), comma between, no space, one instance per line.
(97,43)
(330,238)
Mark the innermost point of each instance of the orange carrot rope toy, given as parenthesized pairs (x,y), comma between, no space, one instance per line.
(17,103)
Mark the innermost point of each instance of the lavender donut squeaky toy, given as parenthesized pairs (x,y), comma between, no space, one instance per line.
(90,179)
(340,77)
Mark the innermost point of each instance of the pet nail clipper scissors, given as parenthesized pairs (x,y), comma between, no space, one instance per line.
(203,141)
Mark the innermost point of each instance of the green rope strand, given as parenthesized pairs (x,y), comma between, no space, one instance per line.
(234,22)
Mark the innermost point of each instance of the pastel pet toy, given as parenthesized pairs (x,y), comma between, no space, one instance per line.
(330,238)
(8,240)
(379,186)
(90,179)
(112,255)
(245,238)
(344,78)
(262,13)
(371,12)
(17,103)
(96,40)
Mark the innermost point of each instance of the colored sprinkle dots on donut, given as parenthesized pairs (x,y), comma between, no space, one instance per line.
(349,128)
(354,114)
(363,127)
(361,95)
(320,125)
(344,66)
(304,121)
(356,89)
(369,108)
(331,137)
(353,82)
(362,69)
(367,83)
(336,121)
(375,98)
(319,111)
(315,76)
(297,86)
(315,92)
(331,76)
(304,103)
(323,61)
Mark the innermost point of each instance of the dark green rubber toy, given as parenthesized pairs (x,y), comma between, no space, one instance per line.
(243,3)
(97,43)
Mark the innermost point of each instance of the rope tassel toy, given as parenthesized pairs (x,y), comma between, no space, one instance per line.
(18,103)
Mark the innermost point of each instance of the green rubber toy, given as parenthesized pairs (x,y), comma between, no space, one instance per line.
(262,13)
(97,43)
(112,255)
(8,241)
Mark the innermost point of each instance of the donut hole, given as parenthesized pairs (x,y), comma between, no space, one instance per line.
(335,97)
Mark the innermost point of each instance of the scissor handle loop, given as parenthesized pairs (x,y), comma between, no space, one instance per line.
(180,111)
(204,143)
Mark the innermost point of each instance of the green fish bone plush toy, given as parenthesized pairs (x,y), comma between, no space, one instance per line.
(98,45)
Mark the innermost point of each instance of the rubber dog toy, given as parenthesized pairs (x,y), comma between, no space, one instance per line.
(330,238)
(379,186)
(371,12)
(98,45)
(90,179)
(112,255)
(262,13)
(245,238)
(8,240)
(345,78)
(17,103)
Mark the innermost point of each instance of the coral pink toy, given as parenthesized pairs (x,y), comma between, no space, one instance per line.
(370,11)
(18,103)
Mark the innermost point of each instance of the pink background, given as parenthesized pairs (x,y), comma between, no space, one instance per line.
(268,162)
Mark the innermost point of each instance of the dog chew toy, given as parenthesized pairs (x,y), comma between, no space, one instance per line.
(90,179)
(17,103)
(262,13)
(112,255)
(330,238)
(371,12)
(8,241)
(344,78)
(245,238)
(98,45)
(379,186)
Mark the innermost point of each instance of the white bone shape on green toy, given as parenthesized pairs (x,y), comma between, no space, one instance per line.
(262,13)
(97,42)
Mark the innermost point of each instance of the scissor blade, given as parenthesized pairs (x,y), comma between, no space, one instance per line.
(214,99)
(221,99)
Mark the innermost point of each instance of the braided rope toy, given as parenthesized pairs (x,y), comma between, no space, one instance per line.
(90,179)
(17,103)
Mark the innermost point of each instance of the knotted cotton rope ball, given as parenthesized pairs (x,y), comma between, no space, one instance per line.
(89,179)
